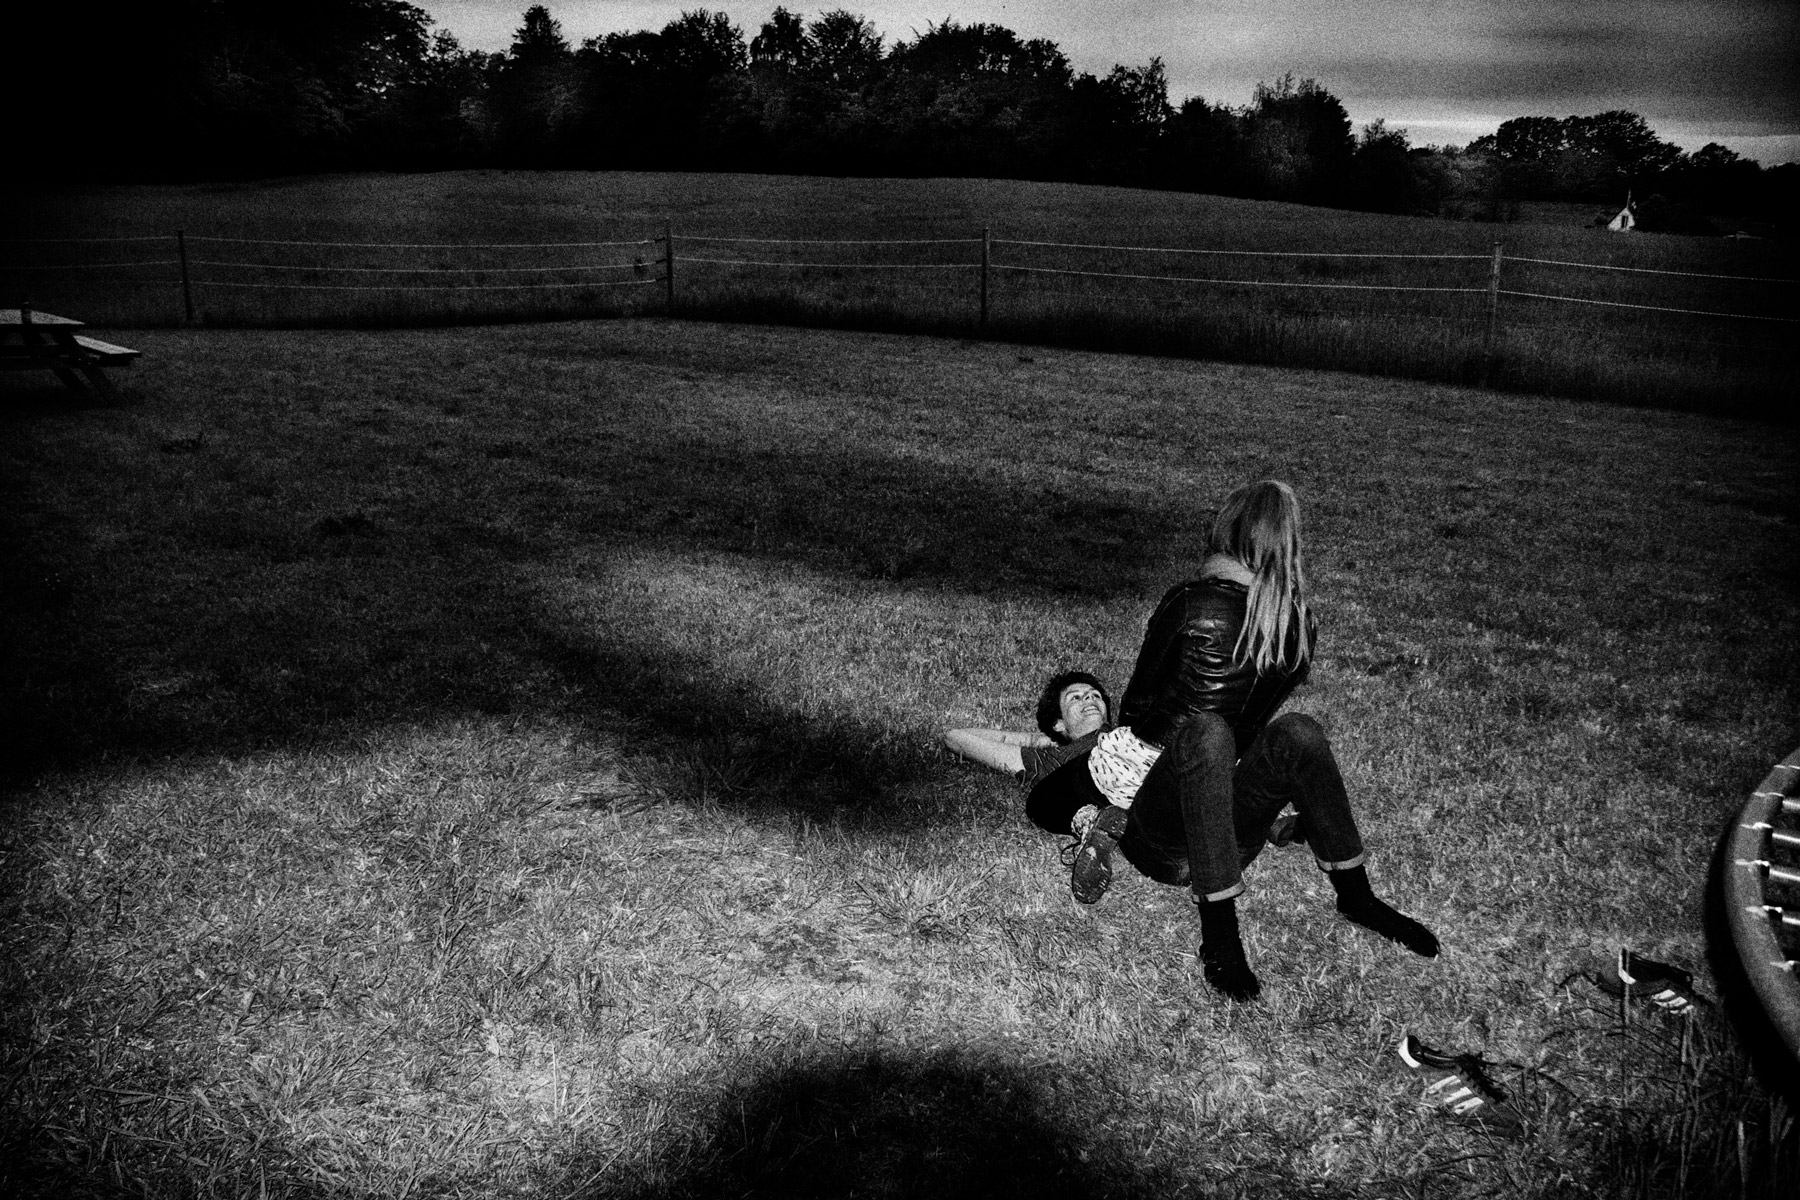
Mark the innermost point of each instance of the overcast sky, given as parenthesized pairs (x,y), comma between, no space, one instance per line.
(1445,70)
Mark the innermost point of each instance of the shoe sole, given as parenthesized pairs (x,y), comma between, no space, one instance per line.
(1092,873)
(1091,876)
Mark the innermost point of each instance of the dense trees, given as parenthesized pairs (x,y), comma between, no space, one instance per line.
(240,86)
(1595,158)
(1610,156)
(173,86)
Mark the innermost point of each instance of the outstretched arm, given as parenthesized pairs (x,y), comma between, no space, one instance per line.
(996,748)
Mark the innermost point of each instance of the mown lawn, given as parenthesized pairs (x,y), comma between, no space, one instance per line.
(501,762)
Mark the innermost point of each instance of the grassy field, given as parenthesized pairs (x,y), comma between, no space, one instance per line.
(459,762)
(1632,355)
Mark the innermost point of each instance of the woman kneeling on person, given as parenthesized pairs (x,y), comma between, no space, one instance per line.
(1189,785)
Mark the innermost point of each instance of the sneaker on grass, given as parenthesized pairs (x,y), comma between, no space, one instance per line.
(1458,1085)
(1092,873)
(1287,830)
(1667,986)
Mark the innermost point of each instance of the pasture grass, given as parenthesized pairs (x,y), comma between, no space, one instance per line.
(1634,355)
(502,762)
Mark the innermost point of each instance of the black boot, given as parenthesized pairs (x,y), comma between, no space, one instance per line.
(1222,958)
(1358,903)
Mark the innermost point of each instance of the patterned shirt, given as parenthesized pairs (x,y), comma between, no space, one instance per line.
(1119,763)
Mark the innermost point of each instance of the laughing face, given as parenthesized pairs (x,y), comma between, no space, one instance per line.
(1083,710)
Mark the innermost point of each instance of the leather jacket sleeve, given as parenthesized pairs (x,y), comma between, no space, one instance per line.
(1188,665)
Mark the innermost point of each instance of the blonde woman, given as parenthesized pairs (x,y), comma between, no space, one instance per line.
(1220,655)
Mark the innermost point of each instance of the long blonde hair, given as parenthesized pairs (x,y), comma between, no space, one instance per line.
(1260,527)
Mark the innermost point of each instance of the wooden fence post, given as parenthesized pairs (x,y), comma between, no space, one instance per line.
(187,288)
(669,263)
(986,256)
(1487,344)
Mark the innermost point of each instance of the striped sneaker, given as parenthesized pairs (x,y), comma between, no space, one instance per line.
(1458,1085)
(1667,986)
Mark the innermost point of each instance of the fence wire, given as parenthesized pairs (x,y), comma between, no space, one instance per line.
(751,262)
(451,288)
(1397,315)
(421,245)
(1360,287)
(1557,262)
(149,262)
(1232,253)
(89,241)
(989,269)
(686,237)
(1690,312)
(202,262)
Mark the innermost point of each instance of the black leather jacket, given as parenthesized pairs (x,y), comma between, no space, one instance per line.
(1187,666)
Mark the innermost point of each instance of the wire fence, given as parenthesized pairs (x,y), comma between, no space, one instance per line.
(397,277)
(1468,306)
(655,254)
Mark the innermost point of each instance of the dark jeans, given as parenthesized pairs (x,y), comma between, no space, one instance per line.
(1203,814)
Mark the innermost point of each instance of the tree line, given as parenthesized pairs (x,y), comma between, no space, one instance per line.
(194,88)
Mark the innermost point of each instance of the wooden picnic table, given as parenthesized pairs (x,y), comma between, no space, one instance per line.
(39,341)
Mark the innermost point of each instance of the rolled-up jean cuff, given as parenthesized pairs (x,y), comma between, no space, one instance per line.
(1358,861)
(1230,893)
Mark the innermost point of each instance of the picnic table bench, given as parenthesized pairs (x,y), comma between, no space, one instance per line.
(41,341)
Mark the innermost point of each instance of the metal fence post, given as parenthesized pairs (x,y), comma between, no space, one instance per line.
(1487,344)
(669,263)
(986,256)
(187,288)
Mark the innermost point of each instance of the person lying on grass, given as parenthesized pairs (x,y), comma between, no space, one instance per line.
(1072,711)
(1189,787)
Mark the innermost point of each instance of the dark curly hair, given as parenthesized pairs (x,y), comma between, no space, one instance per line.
(1049,705)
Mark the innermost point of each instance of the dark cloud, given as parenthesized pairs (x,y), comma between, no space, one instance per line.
(1712,68)
(1703,62)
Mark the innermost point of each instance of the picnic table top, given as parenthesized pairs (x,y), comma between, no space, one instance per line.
(12,316)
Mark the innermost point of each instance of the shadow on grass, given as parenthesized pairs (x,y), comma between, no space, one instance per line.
(941,1126)
(177,596)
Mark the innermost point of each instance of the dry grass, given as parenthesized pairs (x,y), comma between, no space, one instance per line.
(500,762)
